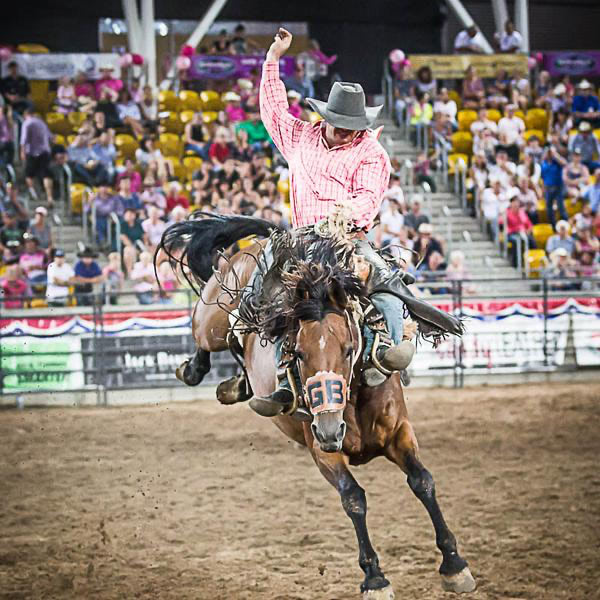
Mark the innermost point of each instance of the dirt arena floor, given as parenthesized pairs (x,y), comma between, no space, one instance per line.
(208,502)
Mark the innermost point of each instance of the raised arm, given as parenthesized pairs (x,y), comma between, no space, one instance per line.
(284,129)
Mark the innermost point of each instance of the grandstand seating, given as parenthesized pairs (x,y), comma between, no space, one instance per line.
(541,233)
(465,119)
(126,145)
(462,142)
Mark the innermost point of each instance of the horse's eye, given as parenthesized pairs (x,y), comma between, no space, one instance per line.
(301,356)
(349,351)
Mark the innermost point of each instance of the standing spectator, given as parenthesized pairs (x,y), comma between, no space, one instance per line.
(586,106)
(87,273)
(106,153)
(575,176)
(107,83)
(33,261)
(493,203)
(240,44)
(552,166)
(510,132)
(592,193)
(15,89)
(7,144)
(221,44)
(143,275)
(518,225)
(510,40)
(473,90)
(498,90)
(35,153)
(14,288)
(104,203)
(194,137)
(529,199)
(561,239)
(131,234)
(469,41)
(40,229)
(233,107)
(422,170)
(60,275)
(175,197)
(149,109)
(588,144)
(421,113)
(446,106)
(298,81)
(153,229)
(85,163)
(66,99)
(113,277)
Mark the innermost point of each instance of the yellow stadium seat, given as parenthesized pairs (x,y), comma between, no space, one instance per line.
(126,145)
(191,164)
(38,303)
(169,144)
(536,118)
(541,211)
(32,49)
(178,168)
(76,119)
(462,142)
(534,132)
(535,262)
(57,123)
(168,100)
(573,207)
(597,133)
(466,118)
(186,116)
(78,193)
(519,113)
(59,139)
(172,123)
(209,117)
(211,100)
(541,233)
(453,159)
(189,100)
(283,187)
(454,95)
(493,114)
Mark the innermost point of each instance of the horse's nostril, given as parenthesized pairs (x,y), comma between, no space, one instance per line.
(341,432)
(315,432)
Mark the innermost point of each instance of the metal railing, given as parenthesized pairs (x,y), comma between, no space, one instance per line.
(114,220)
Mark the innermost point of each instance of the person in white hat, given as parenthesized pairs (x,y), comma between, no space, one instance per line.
(586,105)
(40,228)
(561,239)
(586,144)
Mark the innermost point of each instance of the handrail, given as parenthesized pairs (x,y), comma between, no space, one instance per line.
(427,193)
(448,215)
(387,87)
(115,219)
(67,205)
(59,225)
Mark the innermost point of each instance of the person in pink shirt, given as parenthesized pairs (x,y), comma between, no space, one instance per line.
(294,99)
(33,261)
(518,225)
(14,288)
(233,108)
(134,177)
(337,165)
(107,81)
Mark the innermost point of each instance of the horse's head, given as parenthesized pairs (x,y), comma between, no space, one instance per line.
(328,344)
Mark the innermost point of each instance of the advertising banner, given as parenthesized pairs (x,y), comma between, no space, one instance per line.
(453,66)
(55,66)
(208,66)
(577,63)
(586,339)
(31,364)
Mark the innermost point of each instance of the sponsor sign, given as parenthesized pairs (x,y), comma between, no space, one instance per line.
(586,339)
(31,364)
(453,66)
(577,63)
(208,66)
(55,66)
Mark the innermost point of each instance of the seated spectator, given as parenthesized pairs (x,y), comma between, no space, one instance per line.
(87,273)
(532,171)
(41,230)
(415,218)
(425,82)
(85,163)
(60,275)
(446,106)
(586,242)
(240,44)
(295,109)
(520,90)
(426,244)
(394,192)
(149,109)
(168,283)
(510,40)
(135,90)
(528,199)
(85,94)
(510,132)
(153,229)
(534,149)
(257,135)
(575,176)
(391,222)
(498,91)
(493,203)
(422,171)
(7,142)
(15,89)
(543,89)
(473,91)
(582,219)
(195,136)
(177,215)
(456,269)
(106,83)
(482,123)
(14,288)
(552,167)
(175,197)
(127,198)
(518,225)
(143,275)
(486,144)
(586,106)
(104,202)
(233,107)
(135,179)
(147,152)
(106,154)
(588,268)
(420,111)
(221,44)
(433,269)
(561,266)
(153,195)
(504,170)
(113,277)
(219,150)
(66,99)
(131,233)
(478,173)
(129,113)
(298,81)
(587,143)
(11,235)
(107,107)
(561,239)
(9,202)
(592,193)
(469,41)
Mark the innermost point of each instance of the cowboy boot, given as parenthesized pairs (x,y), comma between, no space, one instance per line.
(388,360)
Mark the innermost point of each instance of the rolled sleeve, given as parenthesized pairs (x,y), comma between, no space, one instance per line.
(369,184)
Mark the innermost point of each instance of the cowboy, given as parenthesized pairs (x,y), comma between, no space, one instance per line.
(335,162)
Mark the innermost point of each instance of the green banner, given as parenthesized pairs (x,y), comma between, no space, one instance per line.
(36,364)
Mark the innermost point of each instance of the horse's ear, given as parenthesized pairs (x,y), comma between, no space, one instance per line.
(337,295)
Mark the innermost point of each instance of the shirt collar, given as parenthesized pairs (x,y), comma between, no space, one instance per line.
(355,141)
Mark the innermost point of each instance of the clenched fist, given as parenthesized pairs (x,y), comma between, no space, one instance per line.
(281,44)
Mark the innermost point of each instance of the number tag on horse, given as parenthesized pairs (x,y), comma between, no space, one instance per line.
(326,391)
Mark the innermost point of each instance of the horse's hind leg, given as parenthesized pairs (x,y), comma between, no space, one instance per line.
(456,576)
(193,370)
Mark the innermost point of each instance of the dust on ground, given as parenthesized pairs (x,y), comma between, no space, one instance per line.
(208,502)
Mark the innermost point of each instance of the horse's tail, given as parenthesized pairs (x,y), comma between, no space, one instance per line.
(192,245)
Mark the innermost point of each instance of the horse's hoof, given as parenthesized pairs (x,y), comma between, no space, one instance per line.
(460,583)
(180,370)
(233,390)
(386,593)
(265,408)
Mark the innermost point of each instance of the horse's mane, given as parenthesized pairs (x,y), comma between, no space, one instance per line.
(310,277)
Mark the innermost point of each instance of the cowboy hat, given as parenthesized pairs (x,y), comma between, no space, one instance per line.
(294,94)
(231,97)
(345,108)
(87,252)
(585,85)
(584,126)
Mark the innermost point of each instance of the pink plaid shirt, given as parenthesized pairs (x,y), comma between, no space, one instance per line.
(321,176)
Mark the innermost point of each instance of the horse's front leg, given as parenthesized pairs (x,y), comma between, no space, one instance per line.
(403,451)
(334,468)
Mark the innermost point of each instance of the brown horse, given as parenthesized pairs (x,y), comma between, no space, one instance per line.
(318,296)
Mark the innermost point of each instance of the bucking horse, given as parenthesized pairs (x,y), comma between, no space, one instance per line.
(314,294)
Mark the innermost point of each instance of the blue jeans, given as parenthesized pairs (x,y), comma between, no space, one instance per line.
(198,149)
(555,193)
(392,309)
